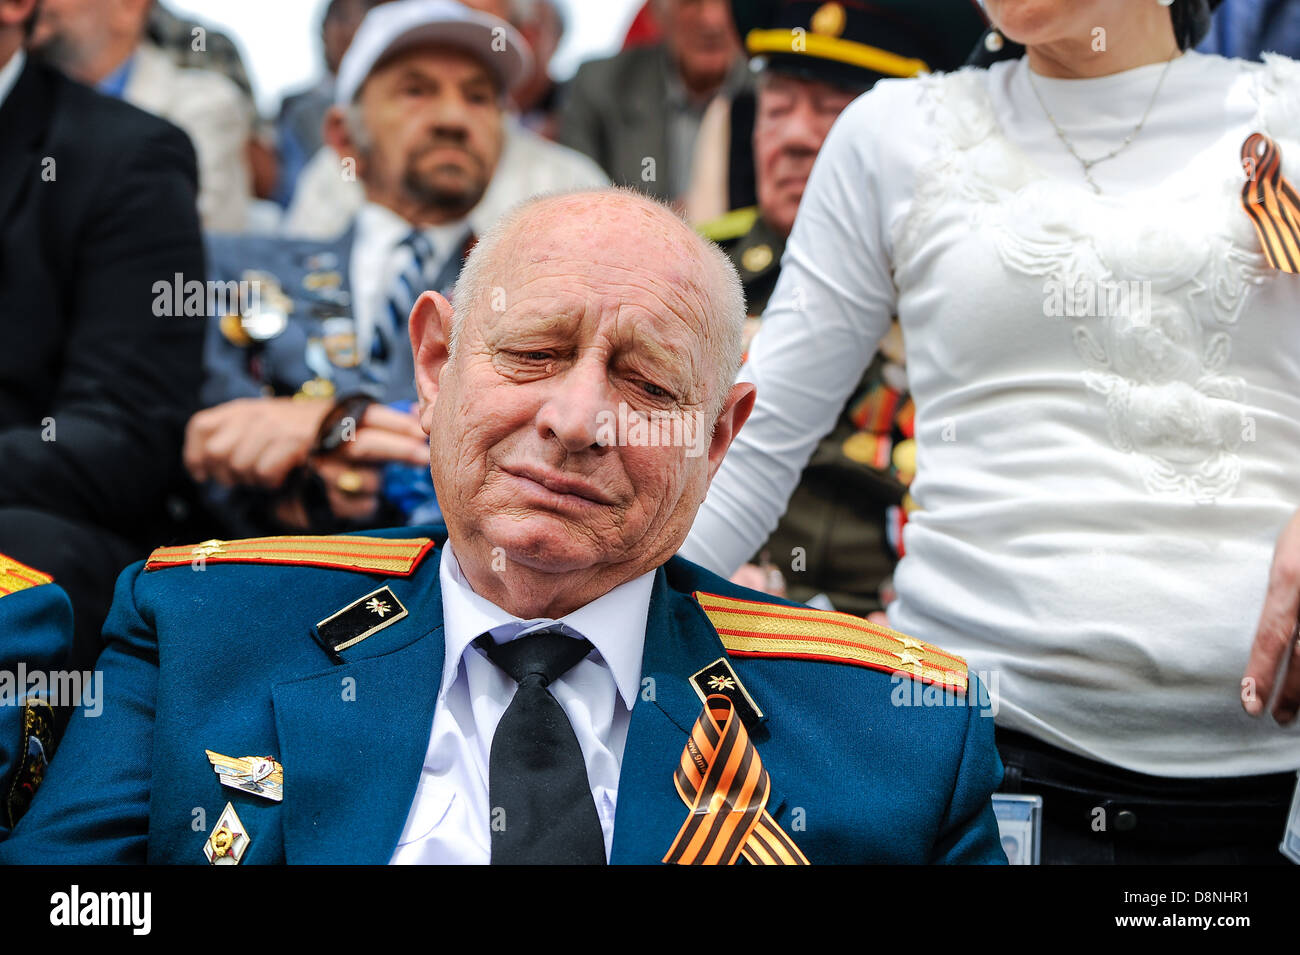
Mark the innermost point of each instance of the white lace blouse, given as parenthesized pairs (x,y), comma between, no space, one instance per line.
(1108,391)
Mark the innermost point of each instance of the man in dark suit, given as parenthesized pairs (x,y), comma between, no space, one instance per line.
(549,684)
(638,113)
(97,207)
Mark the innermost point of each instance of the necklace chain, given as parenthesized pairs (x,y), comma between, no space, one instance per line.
(1087,164)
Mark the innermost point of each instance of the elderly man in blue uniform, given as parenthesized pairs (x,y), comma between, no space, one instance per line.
(543,681)
(318,334)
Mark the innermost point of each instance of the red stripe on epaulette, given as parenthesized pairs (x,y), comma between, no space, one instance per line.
(16,576)
(392,557)
(804,633)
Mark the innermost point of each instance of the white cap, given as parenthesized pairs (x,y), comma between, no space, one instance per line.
(392,27)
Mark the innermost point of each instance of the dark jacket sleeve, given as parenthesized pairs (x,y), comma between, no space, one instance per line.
(969,832)
(93,807)
(128,376)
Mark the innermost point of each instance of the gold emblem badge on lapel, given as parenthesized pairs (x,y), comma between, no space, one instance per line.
(259,775)
(229,840)
(718,677)
(362,618)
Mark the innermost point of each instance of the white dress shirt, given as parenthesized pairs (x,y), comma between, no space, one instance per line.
(1099,488)
(450,819)
(9,74)
(377,259)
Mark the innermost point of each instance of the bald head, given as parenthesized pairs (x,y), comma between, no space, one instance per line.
(625,230)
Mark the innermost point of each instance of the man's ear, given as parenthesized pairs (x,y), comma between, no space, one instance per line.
(430,328)
(735,412)
(336,134)
(16,12)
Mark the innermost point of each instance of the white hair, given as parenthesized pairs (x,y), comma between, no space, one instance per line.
(724,297)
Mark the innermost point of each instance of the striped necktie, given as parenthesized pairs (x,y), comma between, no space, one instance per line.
(410,283)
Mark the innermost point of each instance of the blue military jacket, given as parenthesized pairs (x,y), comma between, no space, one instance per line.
(227,657)
(297,324)
(35,636)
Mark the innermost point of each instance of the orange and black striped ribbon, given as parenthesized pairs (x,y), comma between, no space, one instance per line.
(1271,202)
(723,782)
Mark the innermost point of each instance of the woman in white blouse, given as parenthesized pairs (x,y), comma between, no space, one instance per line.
(1107,377)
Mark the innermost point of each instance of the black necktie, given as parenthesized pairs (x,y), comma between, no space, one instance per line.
(542,809)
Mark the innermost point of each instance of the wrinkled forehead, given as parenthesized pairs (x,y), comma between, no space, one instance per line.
(630,261)
(609,232)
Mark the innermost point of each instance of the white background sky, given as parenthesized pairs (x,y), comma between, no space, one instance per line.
(280,39)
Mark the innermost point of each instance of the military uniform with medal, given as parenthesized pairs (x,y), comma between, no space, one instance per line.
(842,532)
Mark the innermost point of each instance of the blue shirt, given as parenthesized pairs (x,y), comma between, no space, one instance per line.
(114,84)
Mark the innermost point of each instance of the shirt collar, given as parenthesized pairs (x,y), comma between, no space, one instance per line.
(9,74)
(615,624)
(114,84)
(380,227)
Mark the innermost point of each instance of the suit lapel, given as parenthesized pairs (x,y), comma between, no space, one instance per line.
(679,642)
(353,737)
(24,119)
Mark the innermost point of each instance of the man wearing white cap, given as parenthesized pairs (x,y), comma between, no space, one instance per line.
(325,200)
(301,378)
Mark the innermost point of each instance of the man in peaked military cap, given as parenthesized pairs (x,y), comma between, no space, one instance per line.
(542,681)
(812,60)
(301,373)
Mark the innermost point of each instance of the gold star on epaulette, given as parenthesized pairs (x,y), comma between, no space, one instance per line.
(756,629)
(908,658)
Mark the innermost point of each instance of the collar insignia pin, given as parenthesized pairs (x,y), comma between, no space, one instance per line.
(719,678)
(365,616)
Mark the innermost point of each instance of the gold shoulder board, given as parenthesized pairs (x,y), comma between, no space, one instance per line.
(16,576)
(729,225)
(397,557)
(751,629)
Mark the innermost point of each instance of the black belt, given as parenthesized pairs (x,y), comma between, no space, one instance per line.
(1217,809)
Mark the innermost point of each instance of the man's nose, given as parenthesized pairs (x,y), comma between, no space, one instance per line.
(801,129)
(449,133)
(579,403)
(448,115)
